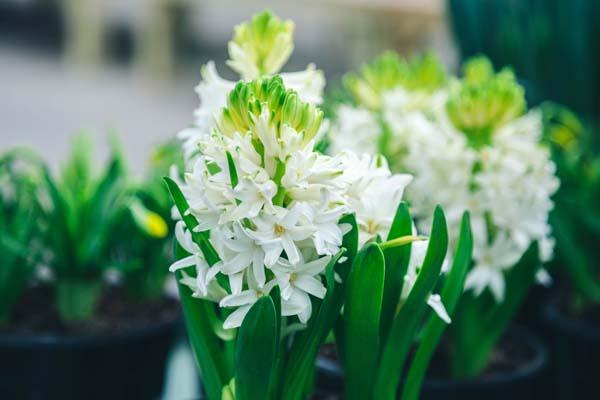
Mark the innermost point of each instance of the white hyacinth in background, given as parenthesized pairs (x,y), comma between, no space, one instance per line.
(470,144)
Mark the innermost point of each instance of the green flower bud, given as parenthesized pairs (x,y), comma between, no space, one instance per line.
(388,71)
(248,100)
(483,101)
(261,46)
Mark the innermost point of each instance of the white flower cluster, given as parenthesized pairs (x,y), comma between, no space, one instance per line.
(469,147)
(260,48)
(271,205)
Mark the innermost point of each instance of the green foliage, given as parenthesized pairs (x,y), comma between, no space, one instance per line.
(256,348)
(362,313)
(435,327)
(479,322)
(379,328)
(576,217)
(143,243)
(20,176)
(406,322)
(81,216)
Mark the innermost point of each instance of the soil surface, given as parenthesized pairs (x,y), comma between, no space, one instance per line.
(509,355)
(567,307)
(35,314)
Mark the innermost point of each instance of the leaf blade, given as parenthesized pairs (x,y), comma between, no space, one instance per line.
(405,325)
(362,314)
(256,350)
(435,327)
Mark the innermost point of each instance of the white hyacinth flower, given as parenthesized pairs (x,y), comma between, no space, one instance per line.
(270,205)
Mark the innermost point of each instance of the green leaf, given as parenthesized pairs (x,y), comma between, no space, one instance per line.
(480,321)
(405,325)
(206,346)
(200,238)
(233,176)
(361,316)
(435,327)
(396,262)
(276,374)
(61,234)
(306,344)
(350,243)
(256,351)
(217,325)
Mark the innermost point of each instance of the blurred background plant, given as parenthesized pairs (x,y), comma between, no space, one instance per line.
(92,222)
(576,218)
(81,216)
(144,240)
(20,241)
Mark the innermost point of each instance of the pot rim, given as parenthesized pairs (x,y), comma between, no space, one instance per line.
(530,369)
(565,323)
(33,341)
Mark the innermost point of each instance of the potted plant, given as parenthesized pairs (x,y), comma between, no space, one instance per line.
(268,237)
(269,251)
(74,335)
(570,315)
(473,140)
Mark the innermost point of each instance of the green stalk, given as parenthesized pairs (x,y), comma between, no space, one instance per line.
(280,195)
(76,300)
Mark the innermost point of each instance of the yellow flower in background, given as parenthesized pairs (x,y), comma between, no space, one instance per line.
(150,222)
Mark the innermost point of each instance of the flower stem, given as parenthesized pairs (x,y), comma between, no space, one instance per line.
(401,241)
(77,299)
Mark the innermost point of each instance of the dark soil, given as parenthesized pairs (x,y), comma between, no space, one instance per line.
(35,314)
(568,308)
(508,356)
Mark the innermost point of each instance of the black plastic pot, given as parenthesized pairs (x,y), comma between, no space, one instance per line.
(574,353)
(522,383)
(120,366)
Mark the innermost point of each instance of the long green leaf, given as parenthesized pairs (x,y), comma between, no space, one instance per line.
(200,238)
(406,323)
(435,327)
(276,374)
(256,350)
(481,321)
(206,346)
(306,343)
(61,234)
(362,314)
(350,243)
(396,262)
